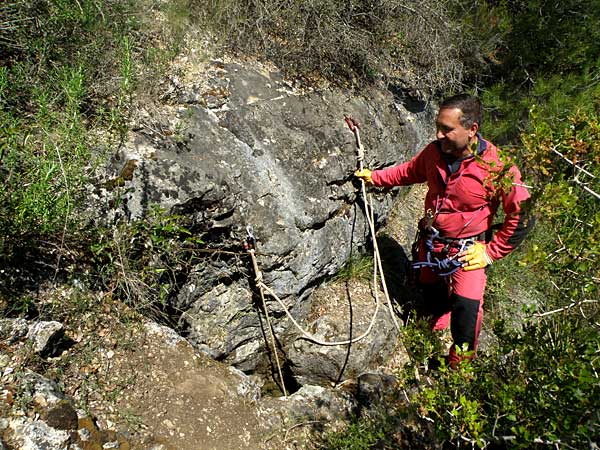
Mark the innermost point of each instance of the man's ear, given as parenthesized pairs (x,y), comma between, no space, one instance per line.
(473,130)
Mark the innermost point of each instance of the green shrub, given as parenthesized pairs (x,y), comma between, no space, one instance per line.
(540,387)
(45,163)
(416,45)
(359,435)
(142,262)
(67,82)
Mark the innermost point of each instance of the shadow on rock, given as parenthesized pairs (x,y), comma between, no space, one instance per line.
(398,274)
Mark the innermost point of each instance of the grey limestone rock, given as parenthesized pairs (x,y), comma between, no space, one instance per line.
(314,363)
(36,434)
(279,161)
(12,330)
(46,336)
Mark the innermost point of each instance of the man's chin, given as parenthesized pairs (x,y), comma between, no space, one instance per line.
(447,149)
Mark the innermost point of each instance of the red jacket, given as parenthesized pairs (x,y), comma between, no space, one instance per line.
(465,196)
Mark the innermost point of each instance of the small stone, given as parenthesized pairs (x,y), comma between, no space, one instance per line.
(62,416)
(84,434)
(46,337)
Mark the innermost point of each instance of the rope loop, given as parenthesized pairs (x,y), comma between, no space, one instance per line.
(444,266)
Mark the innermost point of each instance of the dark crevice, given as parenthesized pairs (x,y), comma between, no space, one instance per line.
(318,225)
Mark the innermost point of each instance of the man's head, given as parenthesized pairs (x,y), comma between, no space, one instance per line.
(457,124)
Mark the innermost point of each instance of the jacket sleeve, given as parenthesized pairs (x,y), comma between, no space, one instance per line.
(411,172)
(518,220)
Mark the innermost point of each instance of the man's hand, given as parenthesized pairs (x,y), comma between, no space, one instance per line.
(475,257)
(365,175)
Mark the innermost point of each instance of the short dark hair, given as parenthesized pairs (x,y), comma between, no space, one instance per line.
(470,106)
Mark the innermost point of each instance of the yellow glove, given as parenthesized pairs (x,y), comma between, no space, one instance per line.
(365,175)
(475,257)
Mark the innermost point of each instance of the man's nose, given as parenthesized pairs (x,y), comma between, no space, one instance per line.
(439,134)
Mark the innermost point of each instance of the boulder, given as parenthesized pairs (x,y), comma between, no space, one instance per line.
(46,337)
(264,155)
(12,330)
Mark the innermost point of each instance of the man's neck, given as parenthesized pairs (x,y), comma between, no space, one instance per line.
(470,149)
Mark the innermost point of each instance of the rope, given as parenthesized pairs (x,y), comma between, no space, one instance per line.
(306,335)
(377,268)
(376,255)
(353,125)
(259,283)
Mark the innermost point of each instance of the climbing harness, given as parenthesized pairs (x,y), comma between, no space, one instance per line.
(448,264)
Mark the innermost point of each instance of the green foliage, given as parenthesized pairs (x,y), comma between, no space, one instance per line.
(553,99)
(565,164)
(541,386)
(359,435)
(67,80)
(142,261)
(422,344)
(550,38)
(48,90)
(357,268)
(44,164)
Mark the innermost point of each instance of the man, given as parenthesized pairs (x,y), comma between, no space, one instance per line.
(467,181)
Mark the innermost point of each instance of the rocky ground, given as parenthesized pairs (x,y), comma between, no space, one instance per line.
(128,383)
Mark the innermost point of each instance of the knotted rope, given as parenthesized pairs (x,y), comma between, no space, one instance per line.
(446,266)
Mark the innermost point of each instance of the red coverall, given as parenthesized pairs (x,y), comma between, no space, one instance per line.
(463,196)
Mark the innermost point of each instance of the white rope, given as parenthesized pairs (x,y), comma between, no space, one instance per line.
(371,222)
(306,335)
(377,256)
(377,268)
(258,275)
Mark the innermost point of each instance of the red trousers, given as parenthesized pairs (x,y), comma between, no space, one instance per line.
(455,300)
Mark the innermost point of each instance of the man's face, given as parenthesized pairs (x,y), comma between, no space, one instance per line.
(453,137)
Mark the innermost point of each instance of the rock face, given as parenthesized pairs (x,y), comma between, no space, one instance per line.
(245,149)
